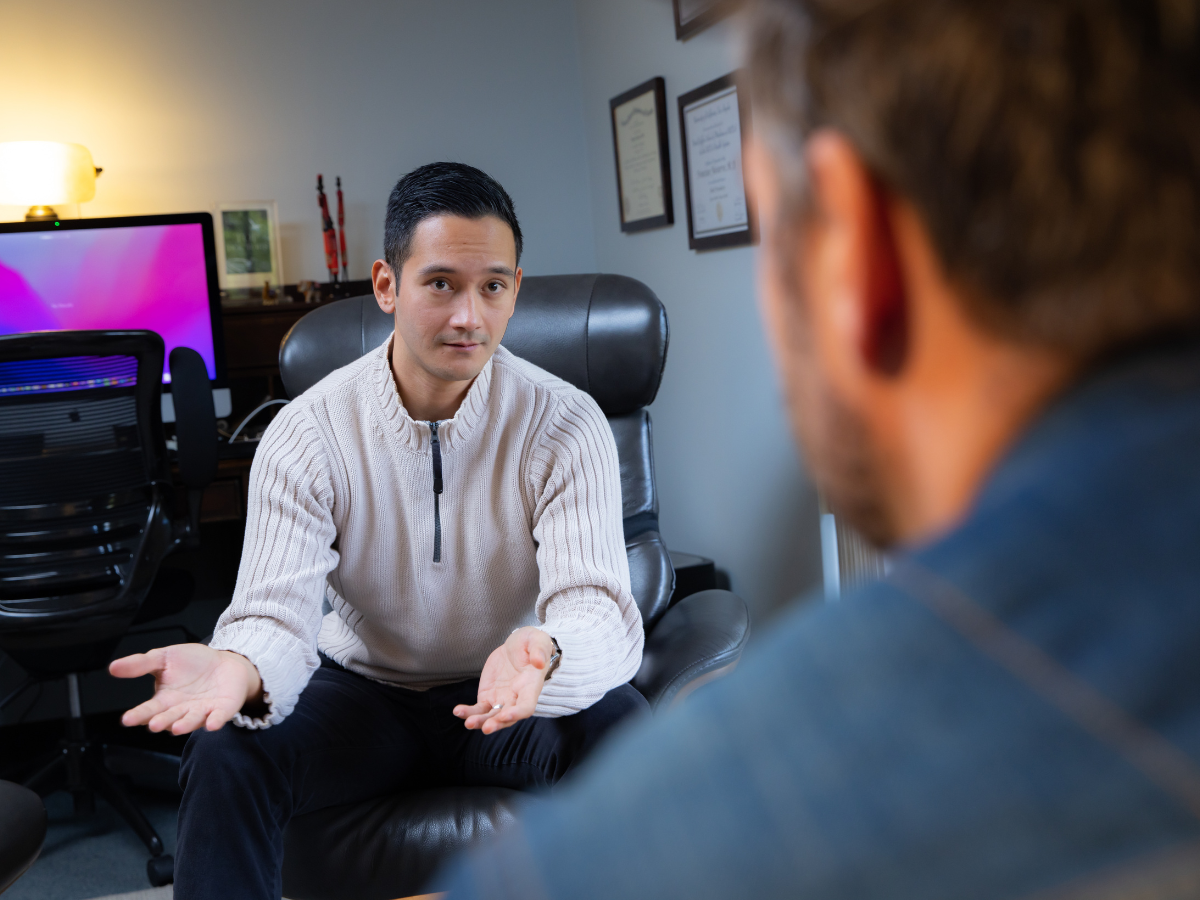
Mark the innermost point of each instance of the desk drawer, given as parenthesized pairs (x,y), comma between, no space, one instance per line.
(223,501)
(252,340)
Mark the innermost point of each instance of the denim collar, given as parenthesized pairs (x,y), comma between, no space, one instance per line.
(1110,410)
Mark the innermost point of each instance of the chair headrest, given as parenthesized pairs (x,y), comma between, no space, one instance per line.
(605,334)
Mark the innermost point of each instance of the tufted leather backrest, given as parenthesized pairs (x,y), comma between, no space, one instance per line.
(605,334)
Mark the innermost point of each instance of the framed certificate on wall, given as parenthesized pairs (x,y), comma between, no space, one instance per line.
(639,124)
(712,120)
(692,16)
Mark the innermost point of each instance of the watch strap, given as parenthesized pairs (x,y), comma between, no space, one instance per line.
(554,660)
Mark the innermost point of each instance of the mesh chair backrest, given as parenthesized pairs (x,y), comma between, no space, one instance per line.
(68,429)
(81,460)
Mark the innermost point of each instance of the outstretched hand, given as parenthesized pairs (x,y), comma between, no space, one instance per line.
(511,682)
(194,686)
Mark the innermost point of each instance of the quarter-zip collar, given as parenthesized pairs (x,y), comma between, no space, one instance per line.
(415,436)
(437,491)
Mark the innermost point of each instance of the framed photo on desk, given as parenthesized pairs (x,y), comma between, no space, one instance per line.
(639,124)
(712,120)
(248,244)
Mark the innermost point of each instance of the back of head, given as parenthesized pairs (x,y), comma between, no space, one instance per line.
(442,188)
(1051,147)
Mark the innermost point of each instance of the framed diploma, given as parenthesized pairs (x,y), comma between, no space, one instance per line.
(692,16)
(712,120)
(639,124)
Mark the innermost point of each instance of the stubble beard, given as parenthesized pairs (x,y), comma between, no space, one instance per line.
(837,446)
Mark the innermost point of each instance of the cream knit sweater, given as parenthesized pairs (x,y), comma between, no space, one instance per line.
(342,506)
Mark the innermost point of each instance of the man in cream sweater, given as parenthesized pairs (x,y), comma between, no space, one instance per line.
(460,510)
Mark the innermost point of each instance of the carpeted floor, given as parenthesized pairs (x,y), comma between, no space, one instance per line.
(162,893)
(100,856)
(96,856)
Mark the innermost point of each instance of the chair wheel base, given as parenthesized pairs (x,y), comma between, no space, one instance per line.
(160,870)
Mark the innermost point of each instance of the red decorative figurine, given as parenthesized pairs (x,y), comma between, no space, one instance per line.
(331,247)
(342,231)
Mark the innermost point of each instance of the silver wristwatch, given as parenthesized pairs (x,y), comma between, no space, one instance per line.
(554,659)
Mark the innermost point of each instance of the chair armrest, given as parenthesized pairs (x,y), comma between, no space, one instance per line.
(195,419)
(22,831)
(195,432)
(699,638)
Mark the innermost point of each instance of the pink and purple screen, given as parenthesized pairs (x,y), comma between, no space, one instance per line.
(150,277)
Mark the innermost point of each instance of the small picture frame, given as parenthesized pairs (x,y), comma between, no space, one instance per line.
(693,16)
(248,244)
(712,122)
(639,125)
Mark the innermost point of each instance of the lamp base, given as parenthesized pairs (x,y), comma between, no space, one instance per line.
(41,214)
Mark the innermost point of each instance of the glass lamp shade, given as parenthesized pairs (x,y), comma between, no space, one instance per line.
(45,172)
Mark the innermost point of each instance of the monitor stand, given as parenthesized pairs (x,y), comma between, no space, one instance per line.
(222,403)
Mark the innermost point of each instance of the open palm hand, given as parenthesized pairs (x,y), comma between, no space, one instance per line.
(511,682)
(194,686)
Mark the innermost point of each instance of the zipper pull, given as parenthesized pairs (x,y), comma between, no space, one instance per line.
(436,447)
(437,458)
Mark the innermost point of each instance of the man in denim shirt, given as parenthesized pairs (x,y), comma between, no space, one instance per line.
(980,273)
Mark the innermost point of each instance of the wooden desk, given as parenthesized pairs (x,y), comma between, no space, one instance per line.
(226,497)
(253,333)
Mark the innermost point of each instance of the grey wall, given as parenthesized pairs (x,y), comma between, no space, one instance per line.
(730,484)
(190,104)
(186,105)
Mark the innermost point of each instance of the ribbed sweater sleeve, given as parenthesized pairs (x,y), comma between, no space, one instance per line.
(584,601)
(275,614)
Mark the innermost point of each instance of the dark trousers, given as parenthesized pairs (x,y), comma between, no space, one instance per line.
(351,739)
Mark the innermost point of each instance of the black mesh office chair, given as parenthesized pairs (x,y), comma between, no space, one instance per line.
(607,335)
(85,519)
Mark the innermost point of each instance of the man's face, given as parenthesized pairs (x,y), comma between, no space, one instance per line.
(793,297)
(456,293)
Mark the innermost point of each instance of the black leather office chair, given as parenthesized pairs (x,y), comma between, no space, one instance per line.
(607,335)
(22,831)
(85,519)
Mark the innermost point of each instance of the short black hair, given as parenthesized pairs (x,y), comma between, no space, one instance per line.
(1052,147)
(442,188)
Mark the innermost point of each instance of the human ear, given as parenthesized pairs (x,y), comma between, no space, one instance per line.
(860,257)
(885,343)
(384,282)
(516,290)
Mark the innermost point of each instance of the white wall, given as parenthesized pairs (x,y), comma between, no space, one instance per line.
(730,484)
(188,104)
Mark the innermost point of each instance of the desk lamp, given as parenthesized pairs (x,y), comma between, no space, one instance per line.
(42,173)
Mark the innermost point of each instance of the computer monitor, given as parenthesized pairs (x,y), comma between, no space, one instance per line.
(157,273)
